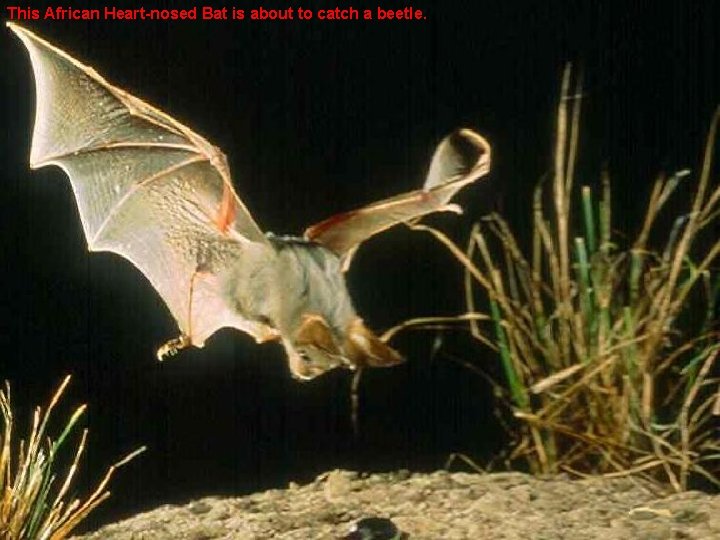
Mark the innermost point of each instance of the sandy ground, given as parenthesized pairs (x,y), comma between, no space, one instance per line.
(437,506)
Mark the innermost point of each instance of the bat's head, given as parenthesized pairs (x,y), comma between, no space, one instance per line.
(315,348)
(314,315)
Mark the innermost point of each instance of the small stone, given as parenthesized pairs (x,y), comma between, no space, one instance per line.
(414,497)
(205,532)
(641,514)
(199,507)
(522,493)
(338,484)
(655,533)
(690,515)
(245,505)
(465,479)
(219,513)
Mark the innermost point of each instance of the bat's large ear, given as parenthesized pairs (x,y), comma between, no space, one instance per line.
(461,158)
(365,349)
(315,332)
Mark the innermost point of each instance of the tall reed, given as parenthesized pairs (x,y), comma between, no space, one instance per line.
(609,347)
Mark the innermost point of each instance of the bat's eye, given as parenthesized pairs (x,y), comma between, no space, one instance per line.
(304,356)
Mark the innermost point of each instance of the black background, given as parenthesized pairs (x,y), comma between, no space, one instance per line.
(318,118)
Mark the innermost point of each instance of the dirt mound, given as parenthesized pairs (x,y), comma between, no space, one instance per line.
(437,506)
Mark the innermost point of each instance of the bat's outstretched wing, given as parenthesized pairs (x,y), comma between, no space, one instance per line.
(461,158)
(147,187)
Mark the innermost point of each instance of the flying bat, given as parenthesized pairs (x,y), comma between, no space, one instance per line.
(155,192)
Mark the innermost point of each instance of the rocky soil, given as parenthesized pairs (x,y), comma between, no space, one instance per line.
(437,506)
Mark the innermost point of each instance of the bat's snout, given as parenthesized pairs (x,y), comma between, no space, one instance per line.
(313,350)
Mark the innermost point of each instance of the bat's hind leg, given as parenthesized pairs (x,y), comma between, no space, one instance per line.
(172,347)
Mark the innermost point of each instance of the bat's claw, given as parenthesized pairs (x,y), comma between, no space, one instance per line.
(172,347)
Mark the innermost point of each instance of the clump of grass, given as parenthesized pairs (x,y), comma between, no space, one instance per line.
(34,501)
(608,347)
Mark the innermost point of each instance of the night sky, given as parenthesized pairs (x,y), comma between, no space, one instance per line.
(317,118)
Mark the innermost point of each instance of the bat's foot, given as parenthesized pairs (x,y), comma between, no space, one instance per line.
(172,347)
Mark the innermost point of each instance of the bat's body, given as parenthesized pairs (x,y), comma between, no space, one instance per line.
(298,280)
(155,192)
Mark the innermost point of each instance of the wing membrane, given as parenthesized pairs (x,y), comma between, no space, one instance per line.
(460,159)
(147,187)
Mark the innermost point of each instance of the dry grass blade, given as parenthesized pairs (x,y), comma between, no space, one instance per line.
(436,323)
(607,344)
(30,505)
